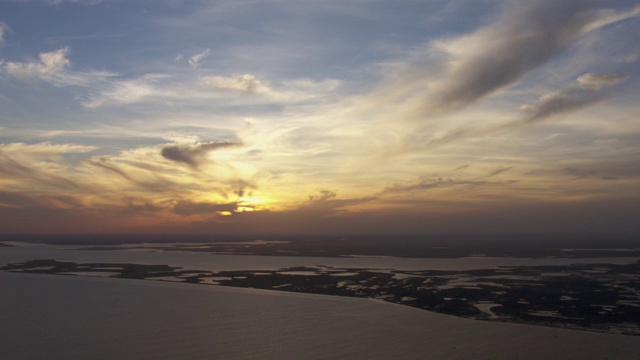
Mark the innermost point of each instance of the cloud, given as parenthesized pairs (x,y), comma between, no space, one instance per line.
(137,206)
(3,29)
(129,91)
(423,184)
(32,170)
(614,169)
(526,36)
(137,186)
(38,165)
(434,182)
(326,204)
(605,17)
(45,150)
(286,92)
(323,196)
(230,89)
(187,208)
(461,167)
(246,83)
(585,91)
(499,171)
(553,104)
(53,67)
(197,58)
(597,82)
(193,155)
(105,163)
(13,200)
(309,85)
(105,89)
(49,66)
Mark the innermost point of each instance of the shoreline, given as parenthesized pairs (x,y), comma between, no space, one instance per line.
(458,293)
(170,320)
(173,285)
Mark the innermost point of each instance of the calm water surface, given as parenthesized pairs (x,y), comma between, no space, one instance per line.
(64,317)
(216,262)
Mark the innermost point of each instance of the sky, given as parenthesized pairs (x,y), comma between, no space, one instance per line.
(319,117)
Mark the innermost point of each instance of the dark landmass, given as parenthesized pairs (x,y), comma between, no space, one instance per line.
(4,245)
(409,249)
(410,246)
(594,297)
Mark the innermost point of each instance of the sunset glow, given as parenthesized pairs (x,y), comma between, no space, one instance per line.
(327,117)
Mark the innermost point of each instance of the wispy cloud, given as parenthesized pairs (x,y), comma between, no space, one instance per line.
(623,168)
(144,176)
(104,88)
(3,29)
(287,92)
(323,196)
(197,58)
(49,66)
(193,155)
(500,170)
(121,92)
(425,183)
(38,165)
(45,150)
(188,208)
(592,81)
(585,91)
(53,67)
(327,204)
(521,40)
(244,83)
(140,182)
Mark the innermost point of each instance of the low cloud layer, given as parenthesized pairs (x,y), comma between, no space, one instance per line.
(188,208)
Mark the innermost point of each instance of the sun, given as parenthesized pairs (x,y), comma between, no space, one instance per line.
(251,203)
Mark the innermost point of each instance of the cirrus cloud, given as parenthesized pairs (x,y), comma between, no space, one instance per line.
(246,83)
(522,39)
(600,81)
(585,91)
